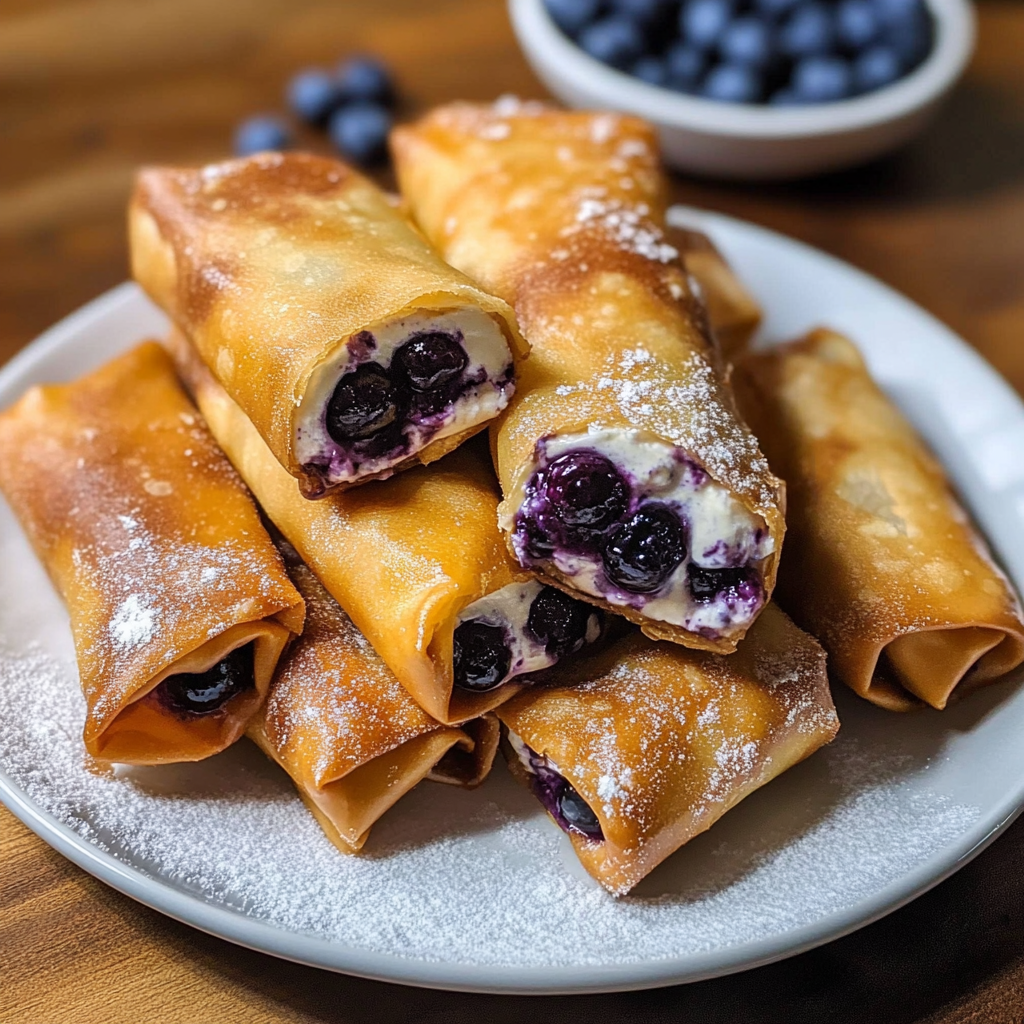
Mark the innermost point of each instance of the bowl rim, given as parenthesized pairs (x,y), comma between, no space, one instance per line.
(554,53)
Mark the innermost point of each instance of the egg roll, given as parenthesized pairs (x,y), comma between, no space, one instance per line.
(180,605)
(418,563)
(882,564)
(637,750)
(628,477)
(351,346)
(345,730)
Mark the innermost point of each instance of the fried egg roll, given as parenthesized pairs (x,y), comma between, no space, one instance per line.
(347,732)
(351,346)
(179,602)
(418,563)
(637,750)
(882,564)
(628,478)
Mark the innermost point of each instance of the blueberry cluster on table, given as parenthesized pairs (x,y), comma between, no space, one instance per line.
(352,104)
(778,52)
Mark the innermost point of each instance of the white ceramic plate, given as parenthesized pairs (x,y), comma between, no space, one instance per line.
(478,891)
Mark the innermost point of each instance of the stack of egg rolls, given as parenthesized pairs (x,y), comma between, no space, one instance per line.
(180,605)
(628,478)
(353,349)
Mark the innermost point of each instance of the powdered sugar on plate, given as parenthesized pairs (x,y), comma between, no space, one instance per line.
(233,831)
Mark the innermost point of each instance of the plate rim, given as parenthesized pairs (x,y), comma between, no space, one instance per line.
(261,936)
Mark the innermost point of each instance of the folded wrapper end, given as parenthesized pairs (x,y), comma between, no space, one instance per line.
(469,767)
(883,564)
(637,750)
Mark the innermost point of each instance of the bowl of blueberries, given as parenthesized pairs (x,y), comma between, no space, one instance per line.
(754,89)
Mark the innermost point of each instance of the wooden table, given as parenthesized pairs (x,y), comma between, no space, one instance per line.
(89,89)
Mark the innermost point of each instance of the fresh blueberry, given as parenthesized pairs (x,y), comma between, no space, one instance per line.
(896,12)
(586,491)
(875,68)
(684,65)
(723,584)
(822,79)
(808,32)
(702,22)
(857,24)
(364,402)
(910,38)
(559,621)
(313,95)
(747,41)
(651,70)
(732,83)
(577,813)
(785,97)
(644,551)
(365,80)
(430,360)
(360,131)
(258,134)
(615,40)
(202,693)
(774,9)
(571,16)
(644,12)
(480,656)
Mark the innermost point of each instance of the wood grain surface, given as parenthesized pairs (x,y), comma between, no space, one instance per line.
(89,89)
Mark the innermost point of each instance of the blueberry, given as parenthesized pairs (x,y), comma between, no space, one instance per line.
(430,360)
(684,65)
(857,24)
(201,693)
(365,80)
(785,97)
(910,38)
(896,12)
(822,79)
(577,814)
(747,40)
(875,68)
(732,83)
(644,12)
(480,656)
(651,70)
(586,491)
(616,41)
(261,133)
(808,32)
(774,9)
(313,95)
(360,131)
(559,621)
(572,15)
(364,402)
(644,551)
(726,584)
(702,22)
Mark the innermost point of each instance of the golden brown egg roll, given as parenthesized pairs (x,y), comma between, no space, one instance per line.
(180,605)
(640,748)
(628,477)
(882,563)
(347,732)
(351,346)
(419,564)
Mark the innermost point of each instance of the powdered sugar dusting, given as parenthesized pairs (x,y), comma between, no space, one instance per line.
(233,831)
(134,623)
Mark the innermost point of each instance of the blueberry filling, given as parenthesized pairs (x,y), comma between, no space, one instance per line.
(577,812)
(430,361)
(364,403)
(559,622)
(202,693)
(645,550)
(480,655)
(559,797)
(723,584)
(586,491)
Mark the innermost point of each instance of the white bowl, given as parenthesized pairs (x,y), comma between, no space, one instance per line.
(733,140)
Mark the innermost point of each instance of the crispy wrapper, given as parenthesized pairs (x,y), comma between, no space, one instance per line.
(402,558)
(348,734)
(733,312)
(562,214)
(275,266)
(882,564)
(660,741)
(156,548)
